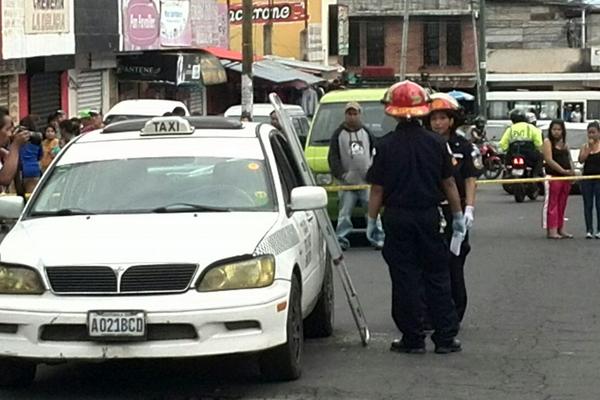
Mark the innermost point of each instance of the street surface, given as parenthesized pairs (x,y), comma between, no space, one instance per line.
(532,331)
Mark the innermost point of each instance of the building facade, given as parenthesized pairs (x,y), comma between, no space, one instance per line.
(540,45)
(67,54)
(297,29)
(441,42)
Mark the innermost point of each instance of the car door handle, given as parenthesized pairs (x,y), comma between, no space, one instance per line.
(311,217)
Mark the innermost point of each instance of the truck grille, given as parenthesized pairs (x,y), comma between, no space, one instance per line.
(136,279)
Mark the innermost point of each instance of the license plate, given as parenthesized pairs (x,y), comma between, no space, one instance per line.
(117,324)
(518,172)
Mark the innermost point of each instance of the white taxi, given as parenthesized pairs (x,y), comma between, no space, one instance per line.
(169,237)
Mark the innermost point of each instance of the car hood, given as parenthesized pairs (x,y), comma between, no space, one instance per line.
(131,239)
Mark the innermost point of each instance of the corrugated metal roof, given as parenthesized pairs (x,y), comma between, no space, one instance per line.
(274,72)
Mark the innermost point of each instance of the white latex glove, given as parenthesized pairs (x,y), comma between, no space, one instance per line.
(469,217)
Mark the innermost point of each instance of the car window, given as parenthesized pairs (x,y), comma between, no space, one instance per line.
(143,184)
(331,115)
(290,176)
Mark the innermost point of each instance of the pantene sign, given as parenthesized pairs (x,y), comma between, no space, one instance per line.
(263,13)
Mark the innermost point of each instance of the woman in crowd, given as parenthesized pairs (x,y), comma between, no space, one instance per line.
(30,154)
(589,156)
(50,147)
(558,163)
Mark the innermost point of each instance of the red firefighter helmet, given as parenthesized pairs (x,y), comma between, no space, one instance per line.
(444,102)
(406,100)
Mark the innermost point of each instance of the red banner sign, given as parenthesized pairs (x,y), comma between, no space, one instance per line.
(263,13)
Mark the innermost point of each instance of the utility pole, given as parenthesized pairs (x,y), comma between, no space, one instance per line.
(248,59)
(482,49)
(404,55)
(268,32)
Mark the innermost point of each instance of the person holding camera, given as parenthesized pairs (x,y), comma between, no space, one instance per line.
(30,155)
(11,142)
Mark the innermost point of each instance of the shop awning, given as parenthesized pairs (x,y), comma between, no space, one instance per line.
(174,68)
(275,72)
(326,71)
(227,54)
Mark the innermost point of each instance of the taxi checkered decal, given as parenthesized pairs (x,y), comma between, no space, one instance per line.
(278,242)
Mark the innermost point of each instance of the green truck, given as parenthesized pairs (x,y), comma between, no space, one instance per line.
(328,117)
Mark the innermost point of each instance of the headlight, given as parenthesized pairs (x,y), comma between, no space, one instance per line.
(18,280)
(324,179)
(247,274)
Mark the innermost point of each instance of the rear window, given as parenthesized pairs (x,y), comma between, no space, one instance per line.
(330,116)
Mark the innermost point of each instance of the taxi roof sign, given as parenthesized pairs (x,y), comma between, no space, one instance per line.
(165,126)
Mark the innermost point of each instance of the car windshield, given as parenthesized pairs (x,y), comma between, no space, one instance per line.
(331,115)
(122,117)
(141,185)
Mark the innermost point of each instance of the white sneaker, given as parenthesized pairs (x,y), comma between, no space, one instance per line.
(589,235)
(598,235)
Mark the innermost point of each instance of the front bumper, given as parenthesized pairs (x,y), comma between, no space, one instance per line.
(224,323)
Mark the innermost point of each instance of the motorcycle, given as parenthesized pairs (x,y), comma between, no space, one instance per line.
(517,168)
(491,159)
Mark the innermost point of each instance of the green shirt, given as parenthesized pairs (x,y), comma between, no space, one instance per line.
(521,131)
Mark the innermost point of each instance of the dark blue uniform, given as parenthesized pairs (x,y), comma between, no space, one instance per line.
(410,164)
(464,168)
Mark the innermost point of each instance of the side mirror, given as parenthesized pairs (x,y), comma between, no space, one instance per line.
(308,198)
(11,206)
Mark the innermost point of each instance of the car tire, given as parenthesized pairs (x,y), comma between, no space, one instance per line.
(283,363)
(16,373)
(319,323)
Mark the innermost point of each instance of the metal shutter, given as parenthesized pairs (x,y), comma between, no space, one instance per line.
(196,100)
(4,95)
(89,90)
(44,94)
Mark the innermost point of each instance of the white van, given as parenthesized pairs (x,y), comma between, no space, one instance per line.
(261,112)
(132,109)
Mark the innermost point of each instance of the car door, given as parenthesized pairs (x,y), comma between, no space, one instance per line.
(304,221)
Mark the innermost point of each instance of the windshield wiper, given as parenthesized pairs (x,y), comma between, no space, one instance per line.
(63,212)
(188,207)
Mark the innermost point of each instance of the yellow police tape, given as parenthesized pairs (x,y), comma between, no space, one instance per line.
(337,188)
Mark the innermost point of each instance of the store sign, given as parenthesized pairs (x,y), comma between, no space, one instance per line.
(263,13)
(343,31)
(47,16)
(175,26)
(141,25)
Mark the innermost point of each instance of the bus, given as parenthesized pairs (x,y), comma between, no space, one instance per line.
(544,104)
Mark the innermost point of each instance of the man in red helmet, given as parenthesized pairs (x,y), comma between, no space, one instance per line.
(411,172)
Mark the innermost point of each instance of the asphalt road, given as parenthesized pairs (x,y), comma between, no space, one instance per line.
(531,332)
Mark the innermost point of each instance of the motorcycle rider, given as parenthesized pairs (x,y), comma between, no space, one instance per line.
(477,131)
(444,119)
(525,139)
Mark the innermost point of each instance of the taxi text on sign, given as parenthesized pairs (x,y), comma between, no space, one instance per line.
(167,126)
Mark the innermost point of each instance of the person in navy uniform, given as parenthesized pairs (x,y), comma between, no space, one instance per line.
(444,118)
(411,173)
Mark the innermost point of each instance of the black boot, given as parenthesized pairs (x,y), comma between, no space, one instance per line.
(400,347)
(451,347)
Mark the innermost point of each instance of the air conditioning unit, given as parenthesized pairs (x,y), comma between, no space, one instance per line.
(595,57)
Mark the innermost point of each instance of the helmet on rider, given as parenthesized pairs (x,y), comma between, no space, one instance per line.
(406,100)
(531,118)
(479,122)
(517,115)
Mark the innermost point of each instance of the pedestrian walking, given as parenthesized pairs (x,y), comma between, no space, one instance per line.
(557,156)
(445,117)
(350,156)
(50,147)
(589,156)
(411,172)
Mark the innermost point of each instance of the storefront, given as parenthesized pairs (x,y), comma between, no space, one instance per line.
(44,89)
(181,76)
